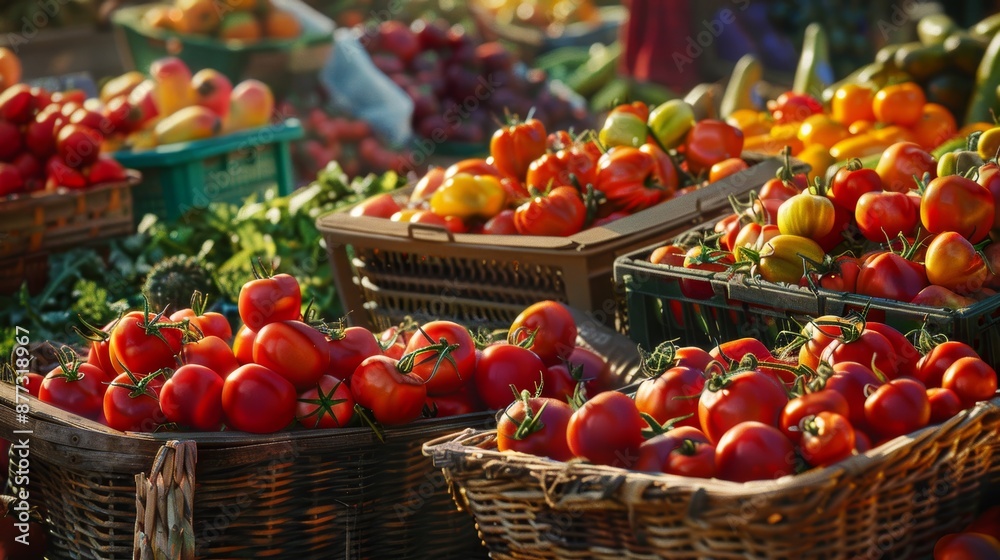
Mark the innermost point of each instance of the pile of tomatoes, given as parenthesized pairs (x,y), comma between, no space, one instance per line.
(535,183)
(980,540)
(740,412)
(875,232)
(149,371)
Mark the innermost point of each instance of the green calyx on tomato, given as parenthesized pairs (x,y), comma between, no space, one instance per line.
(783,258)
(324,404)
(442,351)
(623,129)
(469,196)
(139,386)
(656,362)
(655,428)
(532,421)
(69,365)
(669,123)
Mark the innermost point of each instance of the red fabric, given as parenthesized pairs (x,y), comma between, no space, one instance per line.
(657,29)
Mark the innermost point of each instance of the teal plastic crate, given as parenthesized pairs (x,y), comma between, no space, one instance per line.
(179,177)
(275,62)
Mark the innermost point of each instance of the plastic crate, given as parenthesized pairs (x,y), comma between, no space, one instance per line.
(741,307)
(178,177)
(387,270)
(275,62)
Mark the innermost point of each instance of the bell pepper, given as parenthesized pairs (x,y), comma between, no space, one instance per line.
(469,196)
(623,129)
(670,122)
(515,146)
(709,142)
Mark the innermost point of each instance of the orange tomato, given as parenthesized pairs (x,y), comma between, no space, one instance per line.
(726,168)
(10,68)
(861,127)
(750,122)
(936,126)
(975,127)
(858,147)
(900,104)
(852,102)
(821,130)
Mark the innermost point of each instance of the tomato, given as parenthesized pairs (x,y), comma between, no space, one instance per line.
(11,528)
(967,546)
(753,236)
(944,404)
(295,350)
(329,404)
(989,178)
(378,206)
(473,166)
(78,145)
(853,380)
(869,347)
(733,351)
(567,167)
(821,130)
(806,215)
(560,213)
(897,408)
(455,404)
(192,397)
(900,163)
(701,257)
(75,387)
(764,210)
(852,103)
(515,146)
(393,342)
(553,327)
(972,379)
(988,523)
(931,368)
(243,345)
(392,396)
(754,451)
(559,382)
(818,336)
(422,191)
(791,107)
(442,354)
(501,224)
(143,345)
(900,104)
(99,347)
(348,348)
(884,216)
(750,395)
(842,276)
(681,451)
(935,127)
(729,228)
(535,425)
(693,357)
(131,404)
(634,179)
(852,181)
(890,276)
(469,196)
(596,372)
(268,300)
(725,168)
(783,258)
(211,352)
(953,262)
(710,141)
(671,395)
(606,430)
(672,255)
(811,404)
(827,438)
(32,382)
(258,400)
(954,203)
(502,366)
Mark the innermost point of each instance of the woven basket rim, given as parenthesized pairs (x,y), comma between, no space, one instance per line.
(460,446)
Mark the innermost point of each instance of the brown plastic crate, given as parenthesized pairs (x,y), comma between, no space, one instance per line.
(387,270)
(50,221)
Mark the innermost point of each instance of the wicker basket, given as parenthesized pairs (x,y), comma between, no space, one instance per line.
(32,269)
(893,502)
(52,221)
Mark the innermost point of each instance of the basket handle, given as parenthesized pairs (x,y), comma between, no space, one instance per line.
(164,521)
(434,233)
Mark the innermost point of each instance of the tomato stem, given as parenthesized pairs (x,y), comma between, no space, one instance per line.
(363,414)
(656,363)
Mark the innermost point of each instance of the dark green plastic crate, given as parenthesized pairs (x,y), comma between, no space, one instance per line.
(179,177)
(657,310)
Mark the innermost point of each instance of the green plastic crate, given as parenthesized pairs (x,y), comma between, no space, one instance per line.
(178,177)
(275,62)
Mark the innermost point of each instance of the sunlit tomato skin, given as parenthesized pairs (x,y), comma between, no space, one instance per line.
(972,379)
(901,162)
(852,181)
(683,451)
(953,262)
(710,141)
(900,104)
(852,103)
(633,179)
(806,215)
(811,404)
(502,367)
(827,438)
(944,404)
(554,329)
(211,352)
(192,397)
(853,381)
(607,430)
(954,203)
(897,408)
(884,216)
(243,345)
(443,355)
(379,206)
(567,167)
(293,349)
(869,347)
(76,387)
(393,397)
(348,349)
(545,438)
(931,368)
(515,146)
(754,451)
(672,395)
(142,345)
(258,400)
(134,407)
(743,397)
(267,300)
(559,213)
(890,276)
(329,404)
(967,546)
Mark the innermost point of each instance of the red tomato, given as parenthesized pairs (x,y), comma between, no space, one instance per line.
(607,430)
(853,381)
(327,405)
(78,145)
(701,257)
(906,354)
(597,374)
(733,351)
(258,400)
(567,167)
(683,451)
(559,213)
(897,408)
(902,161)
(99,351)
(890,276)
(692,357)
(988,523)
(192,397)
(967,546)
(808,405)
(393,397)
(32,382)
(211,352)
(267,300)
(931,368)
(515,146)
(501,224)
(442,354)
(559,383)
(746,396)
(75,387)
(944,404)
(535,425)
(131,404)
(754,451)
(461,402)
(954,203)
(633,179)
(818,336)
(792,107)
(671,395)
(710,141)
(884,216)
(869,348)
(143,345)
(378,206)
(554,329)
(393,342)
(852,181)
(972,379)
(730,228)
(293,349)
(348,348)
(827,438)
(502,366)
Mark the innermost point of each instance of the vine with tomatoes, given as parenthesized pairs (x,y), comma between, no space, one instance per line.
(559,183)
(913,229)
